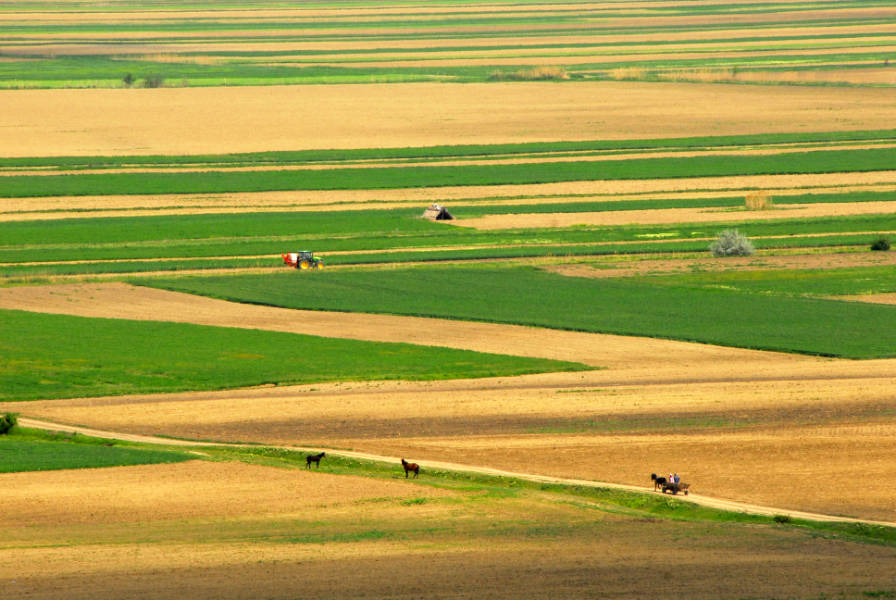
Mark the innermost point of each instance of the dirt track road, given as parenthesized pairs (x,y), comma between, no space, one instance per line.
(728,505)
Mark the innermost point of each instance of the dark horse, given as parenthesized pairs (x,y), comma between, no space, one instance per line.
(410,468)
(314,458)
(658,482)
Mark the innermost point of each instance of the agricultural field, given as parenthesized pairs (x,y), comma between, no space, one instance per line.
(566,334)
(137,44)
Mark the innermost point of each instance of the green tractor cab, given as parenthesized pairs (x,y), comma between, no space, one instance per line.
(303,259)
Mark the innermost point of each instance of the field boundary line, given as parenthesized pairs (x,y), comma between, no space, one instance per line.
(706,501)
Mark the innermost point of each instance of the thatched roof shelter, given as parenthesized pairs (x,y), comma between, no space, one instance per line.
(437,212)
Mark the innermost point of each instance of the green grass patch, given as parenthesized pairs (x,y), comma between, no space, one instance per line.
(527,296)
(34,450)
(806,282)
(57,356)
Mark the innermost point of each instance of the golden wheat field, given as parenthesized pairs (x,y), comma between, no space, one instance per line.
(245,119)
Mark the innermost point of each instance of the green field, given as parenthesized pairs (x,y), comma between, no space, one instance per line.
(32,450)
(527,296)
(57,356)
(344,43)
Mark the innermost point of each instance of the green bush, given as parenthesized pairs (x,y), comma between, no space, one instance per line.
(881,243)
(153,81)
(782,519)
(732,243)
(7,422)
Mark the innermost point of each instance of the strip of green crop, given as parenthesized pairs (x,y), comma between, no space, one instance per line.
(457,151)
(26,450)
(528,296)
(59,356)
(832,161)
(803,282)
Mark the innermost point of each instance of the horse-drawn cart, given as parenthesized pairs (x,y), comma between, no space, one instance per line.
(674,488)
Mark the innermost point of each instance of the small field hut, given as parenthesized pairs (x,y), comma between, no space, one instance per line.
(437,212)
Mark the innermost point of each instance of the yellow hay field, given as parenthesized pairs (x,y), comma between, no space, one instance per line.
(241,119)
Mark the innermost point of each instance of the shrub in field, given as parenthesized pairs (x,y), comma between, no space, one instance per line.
(732,243)
(533,74)
(129,79)
(881,243)
(153,81)
(7,422)
(782,519)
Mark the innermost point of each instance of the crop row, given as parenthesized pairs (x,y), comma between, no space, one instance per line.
(831,161)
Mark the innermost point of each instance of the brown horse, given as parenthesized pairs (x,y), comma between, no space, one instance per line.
(314,458)
(410,467)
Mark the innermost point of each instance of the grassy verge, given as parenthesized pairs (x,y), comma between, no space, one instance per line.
(57,356)
(527,296)
(634,504)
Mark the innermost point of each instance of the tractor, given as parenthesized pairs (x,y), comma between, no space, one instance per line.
(302,260)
